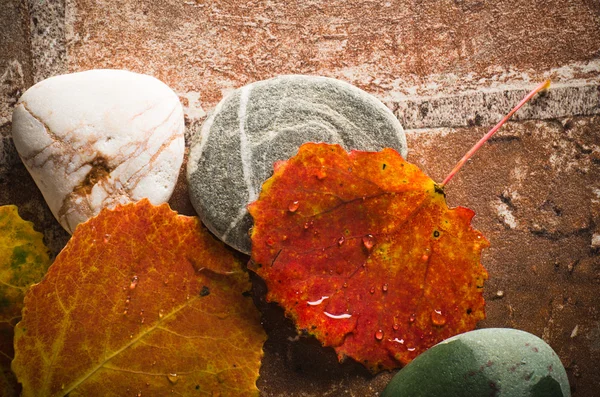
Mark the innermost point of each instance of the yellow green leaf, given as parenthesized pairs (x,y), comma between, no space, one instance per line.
(23,261)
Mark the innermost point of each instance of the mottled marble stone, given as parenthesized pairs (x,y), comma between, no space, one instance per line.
(98,138)
(258,124)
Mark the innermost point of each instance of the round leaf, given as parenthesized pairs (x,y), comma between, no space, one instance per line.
(362,251)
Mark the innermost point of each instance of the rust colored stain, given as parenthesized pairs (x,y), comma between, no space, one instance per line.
(380,46)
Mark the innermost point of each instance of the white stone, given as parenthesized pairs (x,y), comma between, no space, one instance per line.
(98,138)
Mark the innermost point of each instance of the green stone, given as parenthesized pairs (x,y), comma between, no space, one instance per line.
(498,362)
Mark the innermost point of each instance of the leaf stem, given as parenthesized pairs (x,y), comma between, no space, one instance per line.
(491,132)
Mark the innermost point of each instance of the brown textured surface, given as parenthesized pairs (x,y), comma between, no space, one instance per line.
(381,46)
(546,175)
(15,60)
(543,172)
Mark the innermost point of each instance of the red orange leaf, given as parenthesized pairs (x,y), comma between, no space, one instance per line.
(23,261)
(141,301)
(362,251)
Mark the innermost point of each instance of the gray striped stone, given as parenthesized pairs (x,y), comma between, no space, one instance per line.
(266,121)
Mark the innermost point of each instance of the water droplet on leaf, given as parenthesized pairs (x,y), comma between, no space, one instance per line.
(368,242)
(372,290)
(341,241)
(379,335)
(384,288)
(321,174)
(437,318)
(293,206)
(412,318)
(396,326)
(172,378)
(134,282)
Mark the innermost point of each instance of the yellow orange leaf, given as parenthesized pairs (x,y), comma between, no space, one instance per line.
(141,301)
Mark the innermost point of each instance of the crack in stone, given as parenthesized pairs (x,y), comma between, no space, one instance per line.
(506,199)
(55,138)
(558,235)
(132,185)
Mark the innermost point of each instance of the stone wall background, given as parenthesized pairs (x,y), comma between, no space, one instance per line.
(448,69)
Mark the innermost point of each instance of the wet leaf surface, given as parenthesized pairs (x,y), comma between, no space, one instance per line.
(141,302)
(23,261)
(361,251)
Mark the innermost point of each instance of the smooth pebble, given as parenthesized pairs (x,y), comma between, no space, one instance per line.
(98,138)
(266,121)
